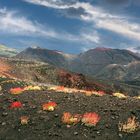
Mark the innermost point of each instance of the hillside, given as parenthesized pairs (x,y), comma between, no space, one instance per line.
(129,72)
(94,61)
(44,73)
(53,103)
(75,116)
(53,57)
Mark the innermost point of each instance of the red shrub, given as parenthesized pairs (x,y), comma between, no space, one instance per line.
(16,104)
(90,119)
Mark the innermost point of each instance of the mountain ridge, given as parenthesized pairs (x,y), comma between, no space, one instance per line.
(99,62)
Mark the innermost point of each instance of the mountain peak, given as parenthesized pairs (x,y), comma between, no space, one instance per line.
(35,47)
(102,49)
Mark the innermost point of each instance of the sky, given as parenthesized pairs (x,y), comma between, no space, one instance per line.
(71,26)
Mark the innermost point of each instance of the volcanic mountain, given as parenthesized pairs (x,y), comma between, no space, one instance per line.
(102,63)
(54,57)
(95,60)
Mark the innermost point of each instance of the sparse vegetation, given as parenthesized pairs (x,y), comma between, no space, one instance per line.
(130,126)
(70,105)
(119,95)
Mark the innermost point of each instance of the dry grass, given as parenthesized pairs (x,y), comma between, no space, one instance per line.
(24,120)
(130,126)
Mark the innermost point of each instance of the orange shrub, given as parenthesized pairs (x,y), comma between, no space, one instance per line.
(16,90)
(68,118)
(60,88)
(76,118)
(90,119)
(50,106)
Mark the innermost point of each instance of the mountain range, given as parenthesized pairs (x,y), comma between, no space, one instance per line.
(115,68)
(102,63)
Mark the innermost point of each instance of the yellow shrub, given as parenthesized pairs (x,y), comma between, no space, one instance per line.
(119,95)
(32,88)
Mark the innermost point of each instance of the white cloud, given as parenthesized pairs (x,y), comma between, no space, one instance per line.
(57,4)
(134,49)
(99,17)
(91,37)
(13,23)
(124,28)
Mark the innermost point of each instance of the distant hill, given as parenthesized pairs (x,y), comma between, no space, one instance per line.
(129,72)
(94,60)
(44,73)
(6,51)
(54,57)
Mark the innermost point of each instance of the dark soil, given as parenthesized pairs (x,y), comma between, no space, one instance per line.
(45,125)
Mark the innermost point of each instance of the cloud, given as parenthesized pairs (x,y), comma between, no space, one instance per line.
(73,13)
(120,26)
(15,24)
(135,49)
(91,37)
(117,24)
(58,4)
(100,18)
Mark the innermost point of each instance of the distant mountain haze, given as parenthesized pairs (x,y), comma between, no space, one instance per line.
(6,51)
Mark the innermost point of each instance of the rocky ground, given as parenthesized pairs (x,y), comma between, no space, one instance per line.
(48,125)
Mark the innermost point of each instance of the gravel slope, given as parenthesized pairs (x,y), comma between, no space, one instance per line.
(47,125)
